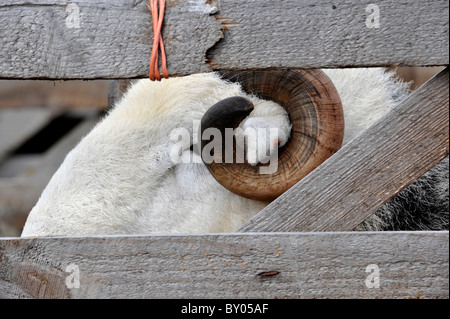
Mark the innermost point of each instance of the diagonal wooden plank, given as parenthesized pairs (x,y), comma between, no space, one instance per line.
(368,171)
(264,265)
(56,39)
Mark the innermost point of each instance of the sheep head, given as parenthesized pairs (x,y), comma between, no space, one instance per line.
(315,112)
(122,178)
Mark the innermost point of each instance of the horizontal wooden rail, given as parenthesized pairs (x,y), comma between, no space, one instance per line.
(369,170)
(263,265)
(55,39)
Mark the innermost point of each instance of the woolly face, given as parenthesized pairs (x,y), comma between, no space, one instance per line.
(122,179)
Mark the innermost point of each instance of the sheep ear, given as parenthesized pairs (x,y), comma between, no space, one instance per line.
(317,119)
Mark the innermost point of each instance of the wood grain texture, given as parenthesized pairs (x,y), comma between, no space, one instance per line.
(303,265)
(114,38)
(368,171)
(12,131)
(110,39)
(317,34)
(76,94)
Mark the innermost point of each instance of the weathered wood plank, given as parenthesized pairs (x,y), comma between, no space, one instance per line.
(57,39)
(317,34)
(76,94)
(87,39)
(368,171)
(275,265)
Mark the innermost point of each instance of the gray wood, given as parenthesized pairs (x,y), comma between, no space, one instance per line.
(114,38)
(12,131)
(110,39)
(19,194)
(317,34)
(275,265)
(367,172)
(75,94)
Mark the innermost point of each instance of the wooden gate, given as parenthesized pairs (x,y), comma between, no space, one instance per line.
(300,245)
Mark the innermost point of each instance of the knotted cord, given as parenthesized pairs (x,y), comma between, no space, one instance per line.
(157,17)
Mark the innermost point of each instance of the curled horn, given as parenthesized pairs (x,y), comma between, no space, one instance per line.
(317,119)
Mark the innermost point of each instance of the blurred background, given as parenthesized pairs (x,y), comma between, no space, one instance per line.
(41,121)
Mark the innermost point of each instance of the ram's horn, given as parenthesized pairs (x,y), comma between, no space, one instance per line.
(317,119)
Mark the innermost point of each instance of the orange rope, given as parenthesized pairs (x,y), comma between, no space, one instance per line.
(157,41)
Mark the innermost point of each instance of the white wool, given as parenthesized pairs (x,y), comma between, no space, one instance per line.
(120,178)
(366,95)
